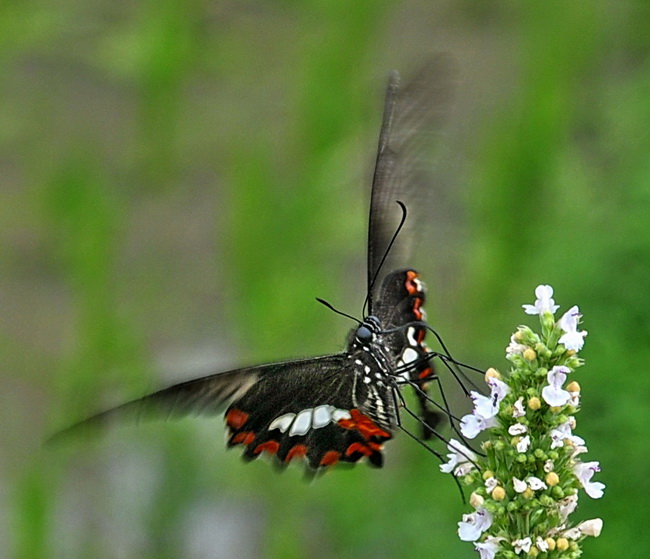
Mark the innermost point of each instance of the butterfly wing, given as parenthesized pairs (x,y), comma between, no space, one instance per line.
(321,408)
(411,113)
(318,408)
(203,396)
(400,307)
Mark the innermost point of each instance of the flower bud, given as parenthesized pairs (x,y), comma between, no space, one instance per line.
(534,403)
(551,543)
(476,500)
(552,479)
(492,373)
(573,387)
(529,354)
(498,493)
(562,544)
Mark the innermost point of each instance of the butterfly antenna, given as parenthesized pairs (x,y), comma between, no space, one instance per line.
(332,308)
(383,258)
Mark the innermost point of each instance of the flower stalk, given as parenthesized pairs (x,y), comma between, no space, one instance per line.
(526,482)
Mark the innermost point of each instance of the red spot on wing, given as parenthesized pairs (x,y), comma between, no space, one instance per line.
(415,290)
(330,458)
(425,373)
(297,451)
(235,419)
(269,446)
(411,286)
(360,448)
(362,423)
(416,308)
(245,438)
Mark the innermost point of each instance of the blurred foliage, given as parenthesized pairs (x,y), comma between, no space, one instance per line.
(180,179)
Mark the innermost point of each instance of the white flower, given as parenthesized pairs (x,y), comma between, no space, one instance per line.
(488,549)
(572,339)
(473,525)
(518,408)
(491,483)
(535,483)
(549,466)
(483,405)
(514,347)
(591,527)
(519,485)
(488,406)
(553,393)
(461,459)
(471,425)
(541,544)
(574,400)
(522,545)
(517,429)
(523,444)
(563,433)
(567,506)
(578,448)
(572,533)
(544,302)
(584,471)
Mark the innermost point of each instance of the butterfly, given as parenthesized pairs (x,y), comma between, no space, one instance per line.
(343,407)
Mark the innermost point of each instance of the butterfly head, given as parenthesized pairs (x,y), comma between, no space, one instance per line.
(367,330)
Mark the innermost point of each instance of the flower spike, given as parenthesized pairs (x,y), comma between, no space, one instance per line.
(526,486)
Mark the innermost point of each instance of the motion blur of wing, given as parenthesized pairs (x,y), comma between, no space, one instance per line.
(203,396)
(413,114)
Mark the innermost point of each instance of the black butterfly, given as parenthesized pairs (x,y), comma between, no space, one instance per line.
(340,407)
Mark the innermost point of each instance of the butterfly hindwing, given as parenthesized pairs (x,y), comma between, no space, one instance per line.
(400,307)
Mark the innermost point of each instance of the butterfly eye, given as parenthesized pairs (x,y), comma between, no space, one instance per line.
(364,334)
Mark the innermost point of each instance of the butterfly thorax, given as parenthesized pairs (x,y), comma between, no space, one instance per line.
(373,368)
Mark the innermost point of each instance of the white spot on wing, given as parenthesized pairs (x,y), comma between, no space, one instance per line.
(410,334)
(302,423)
(322,416)
(409,355)
(283,422)
(339,414)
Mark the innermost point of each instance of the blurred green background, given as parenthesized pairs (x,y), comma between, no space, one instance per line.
(180,179)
